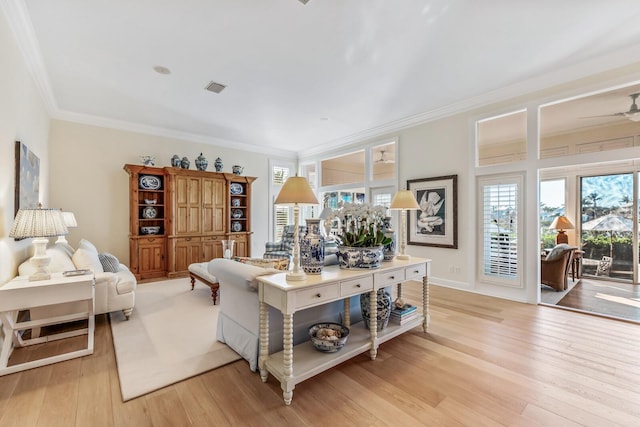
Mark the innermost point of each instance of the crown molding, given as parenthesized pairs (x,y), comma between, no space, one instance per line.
(22,28)
(92,120)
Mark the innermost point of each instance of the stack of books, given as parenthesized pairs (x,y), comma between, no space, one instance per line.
(404,314)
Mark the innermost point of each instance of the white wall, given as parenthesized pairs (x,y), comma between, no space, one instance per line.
(23,117)
(89,180)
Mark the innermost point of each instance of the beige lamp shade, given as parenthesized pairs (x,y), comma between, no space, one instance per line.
(296,190)
(41,224)
(38,223)
(69,219)
(404,199)
(561,223)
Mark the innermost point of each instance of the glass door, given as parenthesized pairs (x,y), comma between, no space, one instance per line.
(606,225)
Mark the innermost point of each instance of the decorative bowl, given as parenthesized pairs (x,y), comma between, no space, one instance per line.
(150,201)
(150,229)
(328,337)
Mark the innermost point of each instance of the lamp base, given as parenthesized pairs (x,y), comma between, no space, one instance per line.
(403,256)
(300,275)
(39,276)
(562,237)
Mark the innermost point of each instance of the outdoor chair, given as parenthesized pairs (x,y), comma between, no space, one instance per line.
(604,266)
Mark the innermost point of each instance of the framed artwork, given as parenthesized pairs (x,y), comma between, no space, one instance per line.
(27,178)
(436,222)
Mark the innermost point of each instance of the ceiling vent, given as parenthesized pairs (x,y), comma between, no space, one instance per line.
(215,87)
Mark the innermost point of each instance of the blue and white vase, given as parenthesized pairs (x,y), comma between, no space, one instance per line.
(383,308)
(218,164)
(360,257)
(389,249)
(312,248)
(201,163)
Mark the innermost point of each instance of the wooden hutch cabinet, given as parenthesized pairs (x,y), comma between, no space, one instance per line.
(148,218)
(195,210)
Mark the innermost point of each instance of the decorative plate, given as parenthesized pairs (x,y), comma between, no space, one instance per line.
(149,182)
(235,202)
(237,213)
(149,212)
(236,188)
(236,226)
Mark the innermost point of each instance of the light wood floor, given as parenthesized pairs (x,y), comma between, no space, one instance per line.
(484,362)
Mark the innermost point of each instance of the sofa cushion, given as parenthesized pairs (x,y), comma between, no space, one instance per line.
(109,262)
(278,263)
(233,272)
(86,258)
(66,247)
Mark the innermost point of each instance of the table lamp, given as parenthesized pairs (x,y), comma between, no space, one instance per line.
(404,200)
(561,223)
(296,191)
(39,224)
(70,222)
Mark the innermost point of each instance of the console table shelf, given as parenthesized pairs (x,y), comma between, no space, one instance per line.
(295,364)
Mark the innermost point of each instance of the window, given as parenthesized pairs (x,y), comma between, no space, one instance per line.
(502,139)
(282,214)
(552,204)
(346,169)
(500,226)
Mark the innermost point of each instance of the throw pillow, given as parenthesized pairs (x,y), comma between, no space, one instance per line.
(88,245)
(86,258)
(110,263)
(557,251)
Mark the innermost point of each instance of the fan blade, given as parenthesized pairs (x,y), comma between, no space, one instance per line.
(606,115)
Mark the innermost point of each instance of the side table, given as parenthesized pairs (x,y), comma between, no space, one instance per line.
(21,294)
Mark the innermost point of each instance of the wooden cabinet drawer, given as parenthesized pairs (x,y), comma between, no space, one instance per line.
(415,272)
(356,286)
(387,278)
(315,296)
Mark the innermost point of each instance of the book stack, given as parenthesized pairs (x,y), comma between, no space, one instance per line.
(404,314)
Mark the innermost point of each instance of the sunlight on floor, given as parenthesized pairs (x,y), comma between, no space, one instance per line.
(619,300)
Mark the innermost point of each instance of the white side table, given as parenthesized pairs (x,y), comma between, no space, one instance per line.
(21,294)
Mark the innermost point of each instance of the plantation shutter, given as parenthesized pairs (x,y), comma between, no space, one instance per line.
(282,215)
(500,227)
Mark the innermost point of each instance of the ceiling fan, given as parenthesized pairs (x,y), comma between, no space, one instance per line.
(633,114)
(383,159)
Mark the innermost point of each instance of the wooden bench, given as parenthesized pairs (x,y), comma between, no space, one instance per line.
(199,271)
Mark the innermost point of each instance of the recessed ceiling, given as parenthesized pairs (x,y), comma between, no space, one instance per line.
(369,65)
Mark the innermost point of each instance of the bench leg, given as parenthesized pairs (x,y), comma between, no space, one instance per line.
(193,281)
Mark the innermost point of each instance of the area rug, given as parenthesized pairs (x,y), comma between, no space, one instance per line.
(170,336)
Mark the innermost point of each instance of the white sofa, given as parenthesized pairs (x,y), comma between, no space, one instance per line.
(239,317)
(113,290)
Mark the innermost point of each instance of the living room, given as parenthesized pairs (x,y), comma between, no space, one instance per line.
(81,163)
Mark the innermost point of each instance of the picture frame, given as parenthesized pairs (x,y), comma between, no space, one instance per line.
(27,191)
(436,222)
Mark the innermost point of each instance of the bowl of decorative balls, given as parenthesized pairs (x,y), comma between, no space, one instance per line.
(328,337)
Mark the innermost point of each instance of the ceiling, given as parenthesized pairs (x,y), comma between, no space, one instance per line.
(306,78)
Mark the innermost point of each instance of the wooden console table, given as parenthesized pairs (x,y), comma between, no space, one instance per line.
(295,364)
(21,294)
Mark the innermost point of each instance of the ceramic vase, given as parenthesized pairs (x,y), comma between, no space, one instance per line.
(218,164)
(237,169)
(312,248)
(185,163)
(175,161)
(201,163)
(352,257)
(389,249)
(383,308)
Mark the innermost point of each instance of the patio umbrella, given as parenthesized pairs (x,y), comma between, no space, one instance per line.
(609,223)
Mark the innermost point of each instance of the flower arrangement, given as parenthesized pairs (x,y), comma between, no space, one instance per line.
(362,224)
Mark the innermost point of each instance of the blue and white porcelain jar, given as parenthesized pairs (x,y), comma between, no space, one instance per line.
(383,307)
(312,248)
